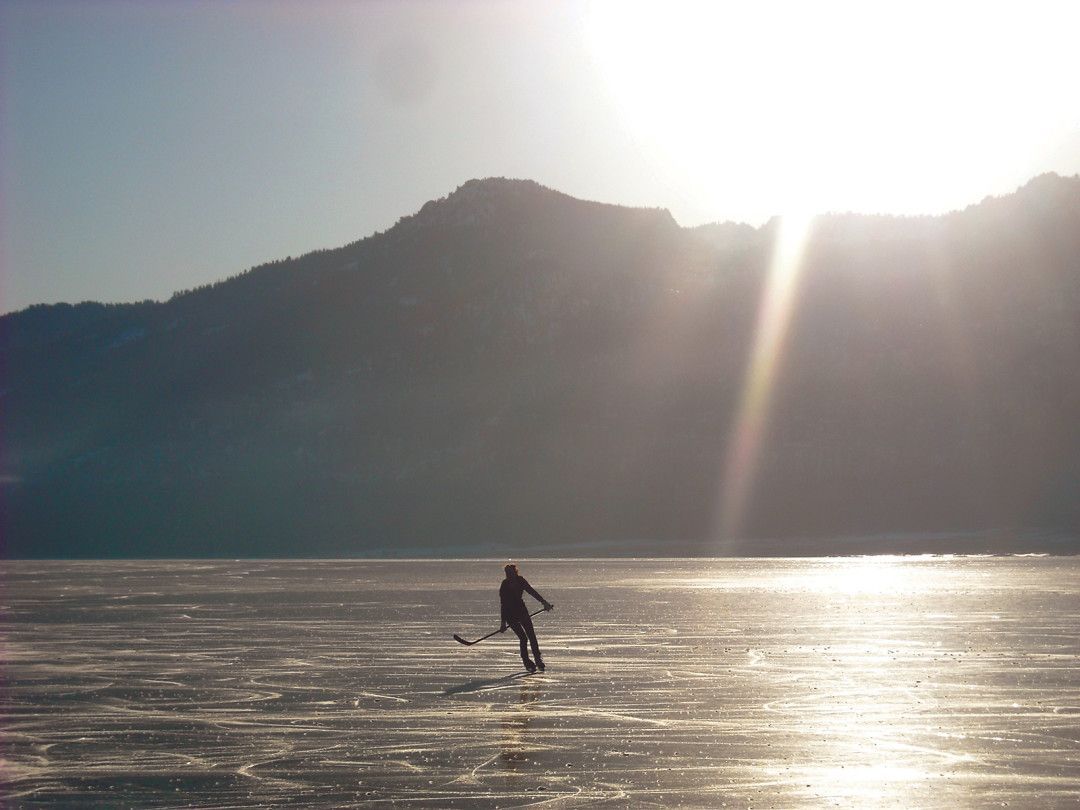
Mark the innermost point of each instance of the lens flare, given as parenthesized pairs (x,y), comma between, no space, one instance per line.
(774,318)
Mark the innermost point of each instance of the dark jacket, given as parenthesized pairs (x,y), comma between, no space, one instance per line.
(513,606)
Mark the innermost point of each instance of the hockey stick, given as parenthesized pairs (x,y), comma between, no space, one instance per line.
(460,640)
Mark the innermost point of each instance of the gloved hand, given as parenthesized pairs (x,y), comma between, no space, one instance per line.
(548,606)
(503,628)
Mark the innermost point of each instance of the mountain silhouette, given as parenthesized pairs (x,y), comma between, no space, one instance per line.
(513,370)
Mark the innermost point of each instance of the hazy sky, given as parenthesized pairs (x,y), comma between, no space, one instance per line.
(152,146)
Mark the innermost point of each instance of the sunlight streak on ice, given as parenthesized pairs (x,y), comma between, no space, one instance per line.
(866,576)
(871,575)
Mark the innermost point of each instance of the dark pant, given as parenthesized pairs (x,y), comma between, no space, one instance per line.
(526,635)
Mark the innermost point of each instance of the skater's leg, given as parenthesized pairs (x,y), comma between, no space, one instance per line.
(530,631)
(523,640)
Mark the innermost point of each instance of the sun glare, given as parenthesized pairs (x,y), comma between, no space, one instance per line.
(751,421)
(874,576)
(868,576)
(881,107)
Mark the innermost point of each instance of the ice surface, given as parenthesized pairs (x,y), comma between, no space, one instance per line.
(902,682)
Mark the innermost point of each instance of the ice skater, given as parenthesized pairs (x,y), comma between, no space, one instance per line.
(516,616)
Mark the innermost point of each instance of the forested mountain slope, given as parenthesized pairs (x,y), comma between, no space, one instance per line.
(513,370)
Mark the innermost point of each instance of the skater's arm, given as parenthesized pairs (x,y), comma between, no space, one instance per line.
(532,592)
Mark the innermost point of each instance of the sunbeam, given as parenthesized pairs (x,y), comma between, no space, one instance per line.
(748,433)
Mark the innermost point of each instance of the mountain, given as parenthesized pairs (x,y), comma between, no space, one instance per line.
(514,371)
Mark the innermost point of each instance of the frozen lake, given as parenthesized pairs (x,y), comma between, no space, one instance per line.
(859,682)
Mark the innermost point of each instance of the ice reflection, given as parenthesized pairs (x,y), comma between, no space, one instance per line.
(860,575)
(844,575)
(863,707)
(515,726)
(863,785)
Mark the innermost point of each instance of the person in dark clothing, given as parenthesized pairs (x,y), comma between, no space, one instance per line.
(516,616)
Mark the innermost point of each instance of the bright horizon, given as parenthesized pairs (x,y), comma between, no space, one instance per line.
(150,147)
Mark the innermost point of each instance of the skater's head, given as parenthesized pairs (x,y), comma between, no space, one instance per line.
(511,570)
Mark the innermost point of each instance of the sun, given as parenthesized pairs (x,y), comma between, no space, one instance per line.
(875,107)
